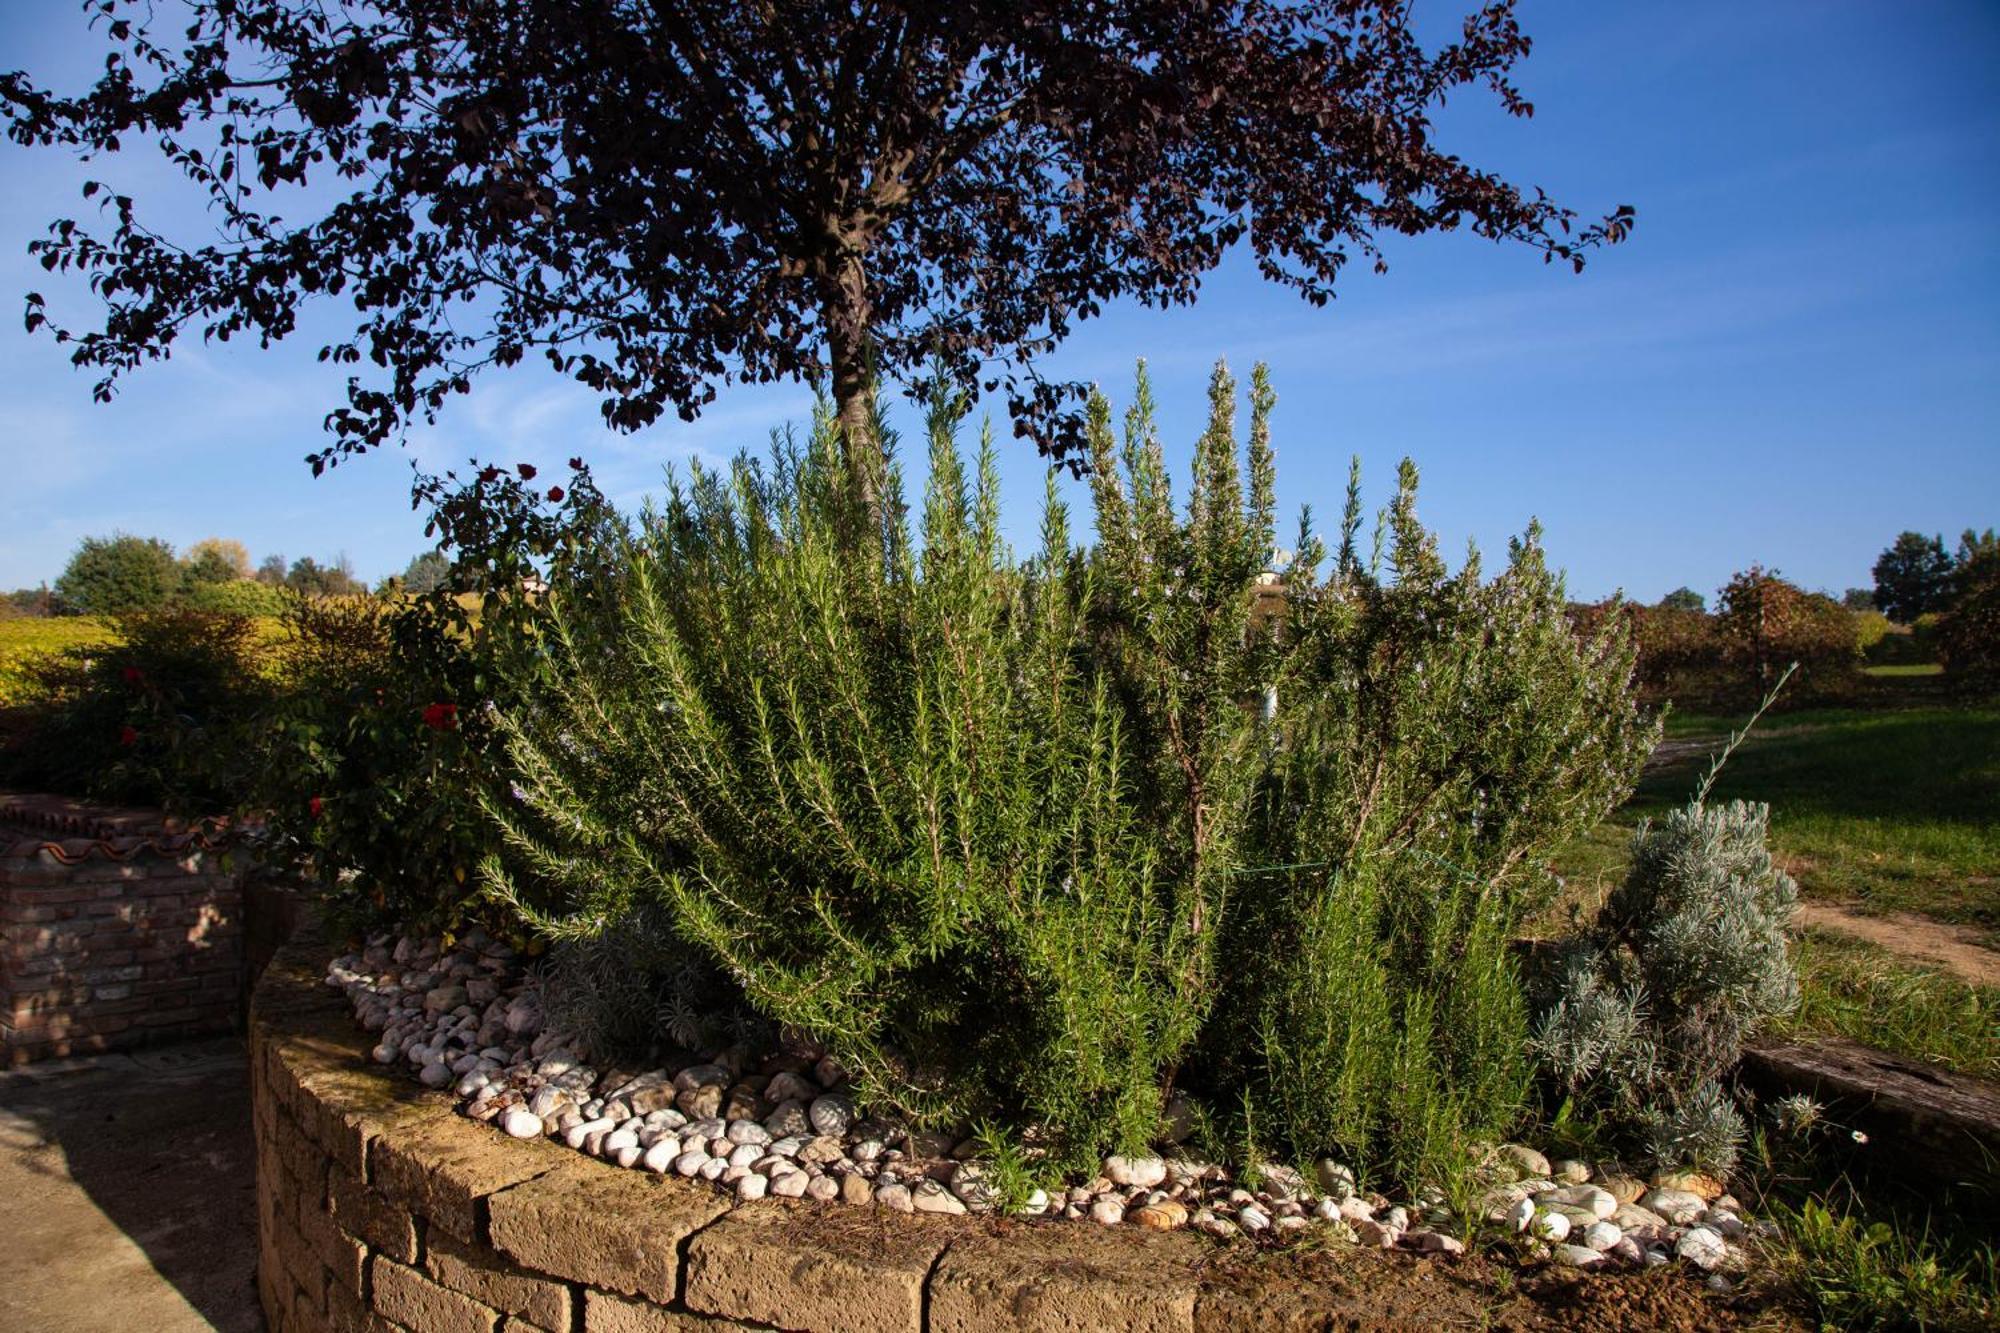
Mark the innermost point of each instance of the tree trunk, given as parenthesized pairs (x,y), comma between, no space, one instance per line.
(847,318)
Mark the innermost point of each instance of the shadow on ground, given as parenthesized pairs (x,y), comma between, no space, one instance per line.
(127,1193)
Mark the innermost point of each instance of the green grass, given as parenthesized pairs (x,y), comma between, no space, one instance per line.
(1904,671)
(1849,1267)
(1857,990)
(1891,810)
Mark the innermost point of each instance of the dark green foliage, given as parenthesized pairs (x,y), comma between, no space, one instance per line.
(1683,599)
(366,770)
(1007,837)
(1912,576)
(109,576)
(637,989)
(309,578)
(380,745)
(1968,633)
(162,717)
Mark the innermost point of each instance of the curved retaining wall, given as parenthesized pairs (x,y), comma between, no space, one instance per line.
(380,1208)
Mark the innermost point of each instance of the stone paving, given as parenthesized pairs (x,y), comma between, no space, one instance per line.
(127,1194)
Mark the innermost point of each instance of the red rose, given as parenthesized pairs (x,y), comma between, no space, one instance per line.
(133,676)
(527,471)
(555,494)
(441,717)
(576,464)
(489,474)
(315,805)
(128,736)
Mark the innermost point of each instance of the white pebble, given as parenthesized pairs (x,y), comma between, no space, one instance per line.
(1703,1247)
(1550,1226)
(522,1124)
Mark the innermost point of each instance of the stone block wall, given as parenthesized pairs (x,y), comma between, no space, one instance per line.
(117,929)
(380,1208)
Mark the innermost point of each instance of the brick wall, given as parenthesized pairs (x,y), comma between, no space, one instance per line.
(117,929)
(380,1208)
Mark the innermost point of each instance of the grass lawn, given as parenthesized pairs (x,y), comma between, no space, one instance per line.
(1884,810)
(1881,810)
(1853,989)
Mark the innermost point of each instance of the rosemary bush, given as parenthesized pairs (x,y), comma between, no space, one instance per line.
(1031,842)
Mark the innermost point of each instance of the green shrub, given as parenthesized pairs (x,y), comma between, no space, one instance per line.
(1871,628)
(162,715)
(237,597)
(1437,736)
(1006,837)
(112,575)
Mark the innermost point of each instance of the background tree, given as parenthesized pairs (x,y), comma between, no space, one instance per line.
(271,570)
(1968,633)
(108,575)
(1912,576)
(426,573)
(811,189)
(309,578)
(1683,599)
(215,560)
(1859,599)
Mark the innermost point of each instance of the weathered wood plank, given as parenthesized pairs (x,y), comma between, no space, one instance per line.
(1942,1124)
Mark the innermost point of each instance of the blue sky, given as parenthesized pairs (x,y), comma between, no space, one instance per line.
(1796,357)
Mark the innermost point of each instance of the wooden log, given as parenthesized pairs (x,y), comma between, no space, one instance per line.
(1925,1120)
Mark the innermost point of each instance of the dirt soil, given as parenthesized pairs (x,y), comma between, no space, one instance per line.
(1375,1290)
(127,1194)
(1954,948)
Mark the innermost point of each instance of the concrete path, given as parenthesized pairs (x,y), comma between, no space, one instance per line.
(127,1200)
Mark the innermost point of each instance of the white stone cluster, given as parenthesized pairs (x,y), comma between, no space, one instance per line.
(782,1124)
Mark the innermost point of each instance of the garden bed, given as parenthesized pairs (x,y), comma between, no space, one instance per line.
(376,1195)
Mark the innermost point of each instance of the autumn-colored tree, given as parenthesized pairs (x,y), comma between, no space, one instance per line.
(215,560)
(1767,623)
(661,199)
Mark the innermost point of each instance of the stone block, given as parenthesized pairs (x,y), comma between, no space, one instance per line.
(444,1169)
(343,1257)
(300,1158)
(414,1301)
(605,1313)
(1039,1277)
(852,1272)
(345,1103)
(588,1222)
(346,1313)
(364,1214)
(477,1271)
